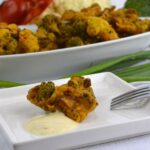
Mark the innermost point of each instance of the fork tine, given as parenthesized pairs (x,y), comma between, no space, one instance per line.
(136,91)
(139,95)
(124,102)
(129,96)
(128,100)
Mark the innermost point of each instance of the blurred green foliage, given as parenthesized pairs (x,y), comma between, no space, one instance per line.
(142,6)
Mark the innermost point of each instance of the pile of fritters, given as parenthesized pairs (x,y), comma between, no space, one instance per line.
(75,98)
(14,40)
(90,25)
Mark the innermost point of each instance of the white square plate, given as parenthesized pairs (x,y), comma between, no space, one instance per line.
(102,125)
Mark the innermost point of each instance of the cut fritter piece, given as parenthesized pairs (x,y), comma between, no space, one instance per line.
(72,109)
(75,99)
(43,96)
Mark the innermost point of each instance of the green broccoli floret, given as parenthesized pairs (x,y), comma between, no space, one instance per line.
(80,28)
(74,41)
(46,90)
(142,6)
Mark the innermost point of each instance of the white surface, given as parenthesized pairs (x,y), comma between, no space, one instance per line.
(1,1)
(55,64)
(101,126)
(118,3)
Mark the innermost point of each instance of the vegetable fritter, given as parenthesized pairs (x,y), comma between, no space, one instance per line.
(74,41)
(71,15)
(28,42)
(14,40)
(90,25)
(43,96)
(75,98)
(101,29)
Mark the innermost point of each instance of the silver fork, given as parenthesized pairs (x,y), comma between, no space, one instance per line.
(139,94)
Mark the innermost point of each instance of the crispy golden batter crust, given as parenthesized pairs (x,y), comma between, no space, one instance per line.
(100,28)
(75,99)
(28,42)
(90,25)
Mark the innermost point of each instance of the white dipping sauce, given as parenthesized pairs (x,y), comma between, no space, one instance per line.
(50,124)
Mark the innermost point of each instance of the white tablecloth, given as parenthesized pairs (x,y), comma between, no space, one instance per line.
(136,143)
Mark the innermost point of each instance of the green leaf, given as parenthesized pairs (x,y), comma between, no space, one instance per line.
(142,6)
(9,84)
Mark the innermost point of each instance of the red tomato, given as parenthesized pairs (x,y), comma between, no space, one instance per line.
(35,9)
(21,11)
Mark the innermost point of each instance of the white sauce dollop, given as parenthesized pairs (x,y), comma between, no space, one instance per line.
(50,124)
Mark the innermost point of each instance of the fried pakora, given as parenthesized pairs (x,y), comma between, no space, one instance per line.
(47,41)
(75,98)
(88,26)
(101,29)
(14,40)
(126,22)
(70,15)
(8,44)
(28,42)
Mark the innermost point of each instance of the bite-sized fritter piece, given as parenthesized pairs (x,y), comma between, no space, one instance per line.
(124,21)
(14,30)
(79,28)
(5,37)
(94,10)
(125,27)
(107,14)
(130,14)
(100,28)
(50,23)
(66,29)
(75,98)
(12,46)
(74,41)
(143,25)
(28,42)
(42,38)
(47,41)
(70,15)
(43,95)
(76,94)
(8,38)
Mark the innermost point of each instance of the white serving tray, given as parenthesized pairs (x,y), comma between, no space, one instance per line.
(34,67)
(101,126)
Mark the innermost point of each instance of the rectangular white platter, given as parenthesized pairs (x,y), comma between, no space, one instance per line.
(102,125)
(34,67)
